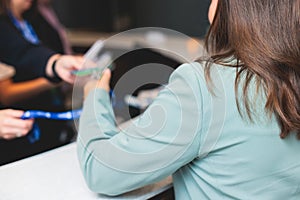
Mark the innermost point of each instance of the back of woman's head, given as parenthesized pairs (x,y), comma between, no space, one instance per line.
(264,37)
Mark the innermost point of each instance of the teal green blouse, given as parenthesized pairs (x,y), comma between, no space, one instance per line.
(195,135)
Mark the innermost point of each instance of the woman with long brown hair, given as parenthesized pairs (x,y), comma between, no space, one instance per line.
(264,40)
(225,127)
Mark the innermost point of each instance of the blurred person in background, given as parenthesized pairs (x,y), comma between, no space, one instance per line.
(39,71)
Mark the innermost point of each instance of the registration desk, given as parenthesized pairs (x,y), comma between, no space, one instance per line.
(56,175)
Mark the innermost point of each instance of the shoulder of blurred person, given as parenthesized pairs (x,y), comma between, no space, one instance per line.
(48,27)
(28,59)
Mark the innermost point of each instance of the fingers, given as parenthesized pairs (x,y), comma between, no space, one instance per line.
(13,113)
(103,83)
(89,86)
(71,62)
(11,126)
(66,64)
(106,75)
(105,80)
(11,133)
(78,62)
(8,137)
(17,125)
(66,75)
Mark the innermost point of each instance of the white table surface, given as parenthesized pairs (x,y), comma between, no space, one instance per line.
(56,175)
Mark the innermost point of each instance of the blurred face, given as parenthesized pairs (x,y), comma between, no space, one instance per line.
(212,10)
(20,6)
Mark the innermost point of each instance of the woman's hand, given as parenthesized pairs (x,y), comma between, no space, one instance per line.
(63,66)
(11,126)
(103,83)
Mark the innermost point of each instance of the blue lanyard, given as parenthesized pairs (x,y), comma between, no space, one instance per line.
(26,29)
(38,114)
(34,135)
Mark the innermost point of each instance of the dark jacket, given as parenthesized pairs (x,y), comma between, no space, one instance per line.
(28,59)
(46,32)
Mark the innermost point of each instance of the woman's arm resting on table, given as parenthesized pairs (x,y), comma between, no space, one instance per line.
(154,146)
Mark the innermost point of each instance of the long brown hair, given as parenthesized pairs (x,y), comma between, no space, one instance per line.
(263,36)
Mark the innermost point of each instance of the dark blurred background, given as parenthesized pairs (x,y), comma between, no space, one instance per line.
(186,16)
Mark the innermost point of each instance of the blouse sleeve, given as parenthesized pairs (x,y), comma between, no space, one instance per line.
(155,145)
